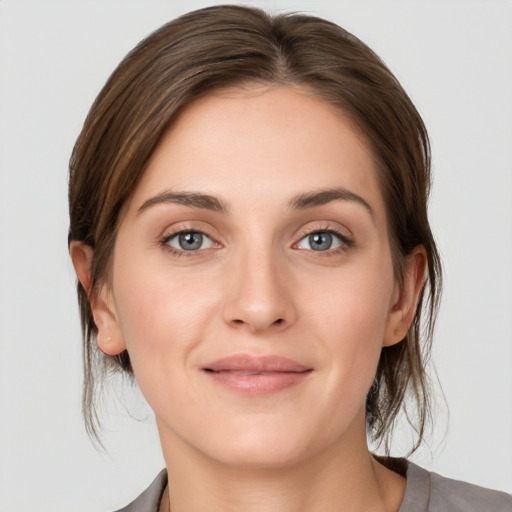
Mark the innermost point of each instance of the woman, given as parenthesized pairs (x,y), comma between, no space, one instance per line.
(249,230)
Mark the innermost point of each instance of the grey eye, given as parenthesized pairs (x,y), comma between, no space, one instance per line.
(190,241)
(320,241)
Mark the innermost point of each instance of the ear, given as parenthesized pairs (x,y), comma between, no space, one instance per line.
(405,297)
(109,336)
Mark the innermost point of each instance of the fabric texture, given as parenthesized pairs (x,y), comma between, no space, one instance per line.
(430,492)
(425,492)
(149,500)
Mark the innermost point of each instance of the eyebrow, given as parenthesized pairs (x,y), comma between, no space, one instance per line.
(192,199)
(324,196)
(212,203)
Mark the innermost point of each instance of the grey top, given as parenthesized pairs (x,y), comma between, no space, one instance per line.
(430,492)
(425,492)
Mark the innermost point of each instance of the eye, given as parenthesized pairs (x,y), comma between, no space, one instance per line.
(321,241)
(189,241)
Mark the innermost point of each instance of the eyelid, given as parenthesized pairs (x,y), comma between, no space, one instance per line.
(188,226)
(337,241)
(177,236)
(346,240)
(172,232)
(324,226)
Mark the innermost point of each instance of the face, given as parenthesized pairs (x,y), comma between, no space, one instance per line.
(252,282)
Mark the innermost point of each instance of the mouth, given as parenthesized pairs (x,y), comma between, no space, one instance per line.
(256,375)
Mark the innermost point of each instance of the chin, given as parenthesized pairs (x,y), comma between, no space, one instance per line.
(264,445)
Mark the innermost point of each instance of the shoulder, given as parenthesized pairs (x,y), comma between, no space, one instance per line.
(466,497)
(149,500)
(436,493)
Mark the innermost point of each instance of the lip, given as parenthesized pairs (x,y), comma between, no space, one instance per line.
(256,375)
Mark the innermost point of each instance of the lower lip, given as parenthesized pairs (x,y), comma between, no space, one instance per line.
(258,384)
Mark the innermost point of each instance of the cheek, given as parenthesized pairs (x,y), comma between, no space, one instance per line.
(351,311)
(356,301)
(162,316)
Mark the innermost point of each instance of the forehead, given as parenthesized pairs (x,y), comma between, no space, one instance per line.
(261,142)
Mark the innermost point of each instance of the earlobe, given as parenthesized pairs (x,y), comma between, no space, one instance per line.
(110,343)
(109,337)
(405,301)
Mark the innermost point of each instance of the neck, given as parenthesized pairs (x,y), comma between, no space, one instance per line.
(343,478)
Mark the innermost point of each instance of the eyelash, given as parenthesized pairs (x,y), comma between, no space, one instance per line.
(164,242)
(346,243)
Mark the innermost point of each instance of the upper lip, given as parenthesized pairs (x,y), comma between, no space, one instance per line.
(250,363)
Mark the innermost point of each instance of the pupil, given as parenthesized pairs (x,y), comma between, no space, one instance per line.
(320,241)
(190,241)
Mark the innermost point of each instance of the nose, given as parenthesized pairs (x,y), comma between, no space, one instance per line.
(258,293)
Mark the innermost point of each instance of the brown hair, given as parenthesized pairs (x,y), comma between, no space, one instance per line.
(232,45)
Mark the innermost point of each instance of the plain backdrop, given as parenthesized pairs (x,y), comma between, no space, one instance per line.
(454,59)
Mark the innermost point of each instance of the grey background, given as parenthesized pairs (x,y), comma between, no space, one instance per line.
(455,60)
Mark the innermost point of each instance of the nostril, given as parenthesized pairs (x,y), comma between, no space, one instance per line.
(279,321)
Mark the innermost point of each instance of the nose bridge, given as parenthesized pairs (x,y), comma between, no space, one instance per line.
(258,297)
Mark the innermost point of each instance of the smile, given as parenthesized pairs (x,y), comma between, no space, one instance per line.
(256,375)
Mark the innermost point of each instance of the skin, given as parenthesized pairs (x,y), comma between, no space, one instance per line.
(256,286)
